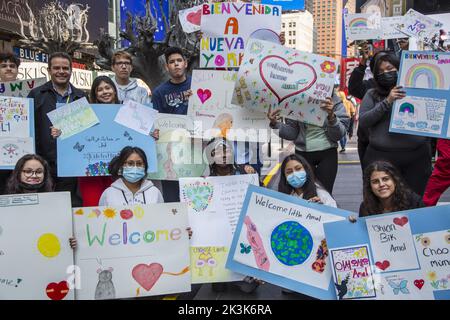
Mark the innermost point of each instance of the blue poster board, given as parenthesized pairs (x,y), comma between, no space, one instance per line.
(430,235)
(287,4)
(89,152)
(16,118)
(273,223)
(425,76)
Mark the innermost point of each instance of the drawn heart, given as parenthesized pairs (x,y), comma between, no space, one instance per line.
(401,221)
(277,72)
(147,275)
(419,283)
(382,265)
(195,17)
(57,291)
(204,94)
(198,195)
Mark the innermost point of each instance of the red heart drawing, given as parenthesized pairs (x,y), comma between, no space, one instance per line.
(57,291)
(147,275)
(382,265)
(304,69)
(419,283)
(401,221)
(195,17)
(204,94)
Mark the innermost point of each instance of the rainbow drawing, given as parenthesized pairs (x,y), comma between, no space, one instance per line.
(358,23)
(407,107)
(433,74)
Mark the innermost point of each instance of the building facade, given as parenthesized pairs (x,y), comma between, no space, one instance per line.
(298,29)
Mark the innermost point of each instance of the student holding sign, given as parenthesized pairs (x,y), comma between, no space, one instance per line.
(32,175)
(130,186)
(385,191)
(410,154)
(318,145)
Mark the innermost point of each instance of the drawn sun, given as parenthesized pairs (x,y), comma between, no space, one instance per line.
(109,213)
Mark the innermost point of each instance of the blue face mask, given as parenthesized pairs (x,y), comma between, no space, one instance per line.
(133,174)
(297,179)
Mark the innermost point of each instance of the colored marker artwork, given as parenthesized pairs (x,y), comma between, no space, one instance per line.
(362,26)
(427,70)
(419,114)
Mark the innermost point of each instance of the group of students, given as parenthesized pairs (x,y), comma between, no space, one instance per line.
(396,167)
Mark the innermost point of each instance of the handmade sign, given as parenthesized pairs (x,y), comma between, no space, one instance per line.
(389,27)
(211,104)
(136,116)
(73,118)
(276,77)
(419,26)
(362,26)
(425,76)
(36,265)
(347,67)
(20,88)
(16,130)
(288,246)
(226,28)
(89,152)
(402,255)
(177,154)
(190,19)
(214,205)
(126,252)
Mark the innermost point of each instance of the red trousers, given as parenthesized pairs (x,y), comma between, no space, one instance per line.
(91,189)
(440,178)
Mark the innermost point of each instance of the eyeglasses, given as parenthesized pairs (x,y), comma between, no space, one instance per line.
(134,164)
(29,173)
(123,63)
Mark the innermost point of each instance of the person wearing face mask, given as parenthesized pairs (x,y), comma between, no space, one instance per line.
(32,175)
(409,153)
(130,187)
(298,179)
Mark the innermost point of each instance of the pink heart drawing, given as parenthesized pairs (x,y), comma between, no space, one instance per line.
(401,221)
(204,94)
(195,17)
(382,265)
(302,68)
(419,283)
(147,275)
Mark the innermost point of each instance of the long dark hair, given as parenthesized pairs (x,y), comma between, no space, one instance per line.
(381,92)
(309,188)
(401,196)
(13,186)
(210,150)
(96,83)
(117,162)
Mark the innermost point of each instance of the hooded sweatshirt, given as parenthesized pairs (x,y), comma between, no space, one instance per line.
(133,91)
(119,195)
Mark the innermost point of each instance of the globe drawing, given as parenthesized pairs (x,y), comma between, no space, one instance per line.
(291,243)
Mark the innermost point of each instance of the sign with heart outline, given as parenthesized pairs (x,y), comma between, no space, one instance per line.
(198,195)
(190,19)
(296,69)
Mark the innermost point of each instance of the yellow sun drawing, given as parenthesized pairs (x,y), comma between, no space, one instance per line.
(49,245)
(109,213)
(138,212)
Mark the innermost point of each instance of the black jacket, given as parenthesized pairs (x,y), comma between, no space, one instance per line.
(44,102)
(357,86)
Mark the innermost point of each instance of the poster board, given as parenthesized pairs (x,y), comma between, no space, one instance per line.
(20,88)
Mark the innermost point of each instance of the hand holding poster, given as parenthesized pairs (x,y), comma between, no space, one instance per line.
(136,116)
(402,255)
(73,118)
(190,19)
(276,77)
(20,88)
(16,130)
(35,255)
(287,241)
(126,252)
(227,27)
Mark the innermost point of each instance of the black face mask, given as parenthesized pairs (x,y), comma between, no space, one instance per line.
(31,187)
(388,80)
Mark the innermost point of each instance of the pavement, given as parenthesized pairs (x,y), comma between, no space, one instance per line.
(347,193)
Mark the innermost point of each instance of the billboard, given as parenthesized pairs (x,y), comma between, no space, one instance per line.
(287,4)
(137,8)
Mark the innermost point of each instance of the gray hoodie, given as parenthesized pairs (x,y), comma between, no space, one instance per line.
(119,195)
(296,131)
(133,91)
